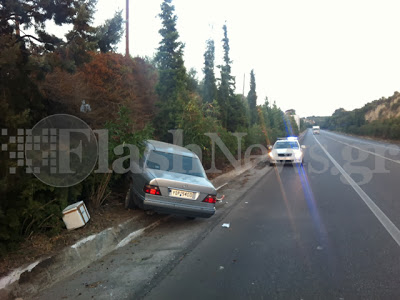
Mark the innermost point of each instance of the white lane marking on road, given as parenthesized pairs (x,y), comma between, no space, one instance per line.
(385,221)
(221,186)
(370,152)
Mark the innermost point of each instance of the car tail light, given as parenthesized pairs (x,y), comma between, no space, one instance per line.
(151,189)
(210,199)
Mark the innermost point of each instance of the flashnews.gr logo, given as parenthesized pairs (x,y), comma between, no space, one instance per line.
(60,150)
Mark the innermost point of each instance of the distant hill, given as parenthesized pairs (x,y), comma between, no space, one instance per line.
(379,118)
(314,120)
(384,108)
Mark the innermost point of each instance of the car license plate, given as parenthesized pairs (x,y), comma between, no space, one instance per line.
(181,194)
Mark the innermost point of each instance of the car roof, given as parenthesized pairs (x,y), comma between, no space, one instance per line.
(280,141)
(287,139)
(169,148)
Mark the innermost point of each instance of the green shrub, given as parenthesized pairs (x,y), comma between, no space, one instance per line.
(255,136)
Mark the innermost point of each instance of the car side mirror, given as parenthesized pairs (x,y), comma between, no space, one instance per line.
(303,147)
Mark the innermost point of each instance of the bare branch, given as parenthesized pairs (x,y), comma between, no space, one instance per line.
(29,37)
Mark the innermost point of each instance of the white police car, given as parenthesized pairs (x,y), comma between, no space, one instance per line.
(286,150)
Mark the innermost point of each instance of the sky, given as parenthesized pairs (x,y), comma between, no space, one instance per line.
(314,56)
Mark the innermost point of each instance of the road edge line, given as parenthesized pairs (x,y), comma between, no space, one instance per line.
(379,214)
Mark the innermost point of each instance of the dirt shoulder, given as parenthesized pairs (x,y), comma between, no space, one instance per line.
(39,245)
(112,213)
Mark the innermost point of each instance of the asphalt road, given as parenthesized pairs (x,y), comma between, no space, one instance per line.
(327,230)
(305,233)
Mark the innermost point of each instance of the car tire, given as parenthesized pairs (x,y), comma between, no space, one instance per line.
(129,201)
(190,218)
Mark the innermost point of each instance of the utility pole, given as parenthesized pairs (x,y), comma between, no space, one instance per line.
(244,78)
(127,29)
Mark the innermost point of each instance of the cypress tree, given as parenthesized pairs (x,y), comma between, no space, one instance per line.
(209,91)
(172,83)
(232,108)
(227,82)
(252,99)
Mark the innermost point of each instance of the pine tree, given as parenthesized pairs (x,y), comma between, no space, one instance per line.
(173,79)
(84,37)
(27,53)
(252,99)
(209,91)
(15,15)
(109,34)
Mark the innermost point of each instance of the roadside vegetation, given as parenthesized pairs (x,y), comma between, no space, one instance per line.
(379,118)
(135,98)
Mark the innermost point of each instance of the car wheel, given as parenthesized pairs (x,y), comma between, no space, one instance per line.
(129,201)
(190,218)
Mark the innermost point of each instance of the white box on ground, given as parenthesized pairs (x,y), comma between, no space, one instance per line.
(75,215)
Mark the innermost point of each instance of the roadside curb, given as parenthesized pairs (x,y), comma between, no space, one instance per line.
(302,135)
(43,273)
(34,277)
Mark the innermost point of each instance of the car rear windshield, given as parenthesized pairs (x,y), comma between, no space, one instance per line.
(286,144)
(175,163)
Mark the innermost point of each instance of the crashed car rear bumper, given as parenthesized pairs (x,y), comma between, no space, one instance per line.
(169,206)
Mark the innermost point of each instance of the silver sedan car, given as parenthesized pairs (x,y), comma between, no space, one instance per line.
(171,179)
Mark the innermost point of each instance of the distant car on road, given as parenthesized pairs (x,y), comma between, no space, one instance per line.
(171,179)
(286,150)
(315,129)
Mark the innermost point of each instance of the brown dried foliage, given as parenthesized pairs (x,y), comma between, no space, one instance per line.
(107,82)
